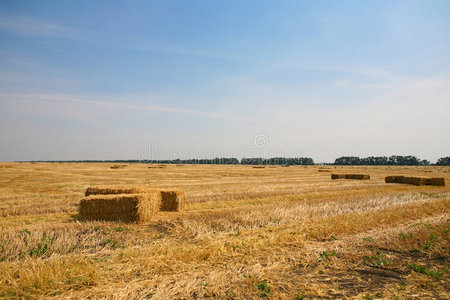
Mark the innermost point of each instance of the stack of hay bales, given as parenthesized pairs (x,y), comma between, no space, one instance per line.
(350,176)
(438,181)
(394,179)
(118,166)
(337,176)
(357,176)
(128,204)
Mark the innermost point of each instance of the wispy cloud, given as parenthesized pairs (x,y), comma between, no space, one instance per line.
(114,104)
(31,26)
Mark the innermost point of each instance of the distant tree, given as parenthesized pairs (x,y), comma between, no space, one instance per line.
(394,160)
(278,161)
(397,160)
(348,160)
(373,160)
(443,161)
(424,162)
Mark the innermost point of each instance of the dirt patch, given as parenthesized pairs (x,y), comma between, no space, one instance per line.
(162,227)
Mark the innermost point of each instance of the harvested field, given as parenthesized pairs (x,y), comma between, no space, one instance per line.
(235,233)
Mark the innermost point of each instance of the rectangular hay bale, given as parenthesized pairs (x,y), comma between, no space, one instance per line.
(350,176)
(172,200)
(105,190)
(120,207)
(357,176)
(417,181)
(393,179)
(118,166)
(439,181)
(412,180)
(128,204)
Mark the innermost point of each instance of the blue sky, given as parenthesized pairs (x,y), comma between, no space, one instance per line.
(189,79)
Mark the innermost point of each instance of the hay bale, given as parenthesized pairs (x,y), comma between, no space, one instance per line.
(324,170)
(350,176)
(411,180)
(415,180)
(104,190)
(118,166)
(121,207)
(394,179)
(389,179)
(128,204)
(439,181)
(357,176)
(258,167)
(172,200)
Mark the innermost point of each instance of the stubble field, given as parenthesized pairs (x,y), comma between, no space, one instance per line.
(273,232)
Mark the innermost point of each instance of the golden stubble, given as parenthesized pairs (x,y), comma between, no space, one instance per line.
(244,233)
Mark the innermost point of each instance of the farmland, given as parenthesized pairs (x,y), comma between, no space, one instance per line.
(272,232)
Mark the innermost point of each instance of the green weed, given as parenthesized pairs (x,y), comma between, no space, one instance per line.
(326,254)
(264,287)
(378,260)
(435,274)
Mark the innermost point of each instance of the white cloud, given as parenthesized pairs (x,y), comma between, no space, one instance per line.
(31,26)
(111,103)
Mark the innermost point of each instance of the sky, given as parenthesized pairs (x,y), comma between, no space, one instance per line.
(204,79)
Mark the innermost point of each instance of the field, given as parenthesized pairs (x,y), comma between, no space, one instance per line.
(273,232)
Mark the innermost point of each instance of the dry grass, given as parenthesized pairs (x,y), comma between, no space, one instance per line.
(243,233)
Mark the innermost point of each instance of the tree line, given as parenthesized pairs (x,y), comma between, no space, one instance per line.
(284,161)
(394,160)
